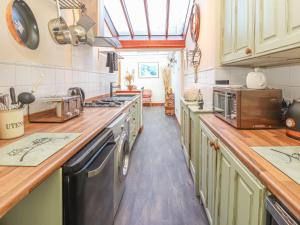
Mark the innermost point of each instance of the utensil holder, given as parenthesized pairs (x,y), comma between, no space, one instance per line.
(11,123)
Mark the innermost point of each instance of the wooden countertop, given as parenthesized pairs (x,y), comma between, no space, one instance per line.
(240,141)
(18,182)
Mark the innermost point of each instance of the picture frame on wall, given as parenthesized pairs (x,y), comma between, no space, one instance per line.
(148,70)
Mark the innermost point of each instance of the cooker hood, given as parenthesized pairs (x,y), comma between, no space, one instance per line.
(95,10)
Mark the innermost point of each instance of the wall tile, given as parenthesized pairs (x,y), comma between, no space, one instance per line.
(279,75)
(295,75)
(7,75)
(23,73)
(59,76)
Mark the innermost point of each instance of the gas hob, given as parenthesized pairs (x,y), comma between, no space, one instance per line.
(103,103)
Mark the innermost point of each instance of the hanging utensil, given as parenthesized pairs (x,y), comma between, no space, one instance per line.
(78,33)
(59,29)
(84,20)
(22,24)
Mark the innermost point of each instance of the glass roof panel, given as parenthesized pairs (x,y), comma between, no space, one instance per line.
(116,13)
(178,12)
(136,12)
(157,16)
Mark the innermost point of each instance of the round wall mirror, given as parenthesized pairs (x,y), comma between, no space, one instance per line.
(195,22)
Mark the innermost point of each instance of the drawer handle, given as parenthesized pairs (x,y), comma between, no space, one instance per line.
(98,170)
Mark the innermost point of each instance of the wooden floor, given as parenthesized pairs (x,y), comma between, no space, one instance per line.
(159,188)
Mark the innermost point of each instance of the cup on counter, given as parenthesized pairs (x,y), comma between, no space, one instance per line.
(11,123)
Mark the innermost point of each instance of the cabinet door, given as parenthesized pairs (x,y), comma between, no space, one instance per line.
(211,182)
(292,26)
(182,123)
(243,28)
(269,24)
(225,171)
(227,29)
(203,164)
(208,163)
(240,196)
(238,29)
(187,136)
(193,146)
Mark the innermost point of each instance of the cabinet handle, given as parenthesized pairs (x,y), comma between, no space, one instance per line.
(217,146)
(248,51)
(211,144)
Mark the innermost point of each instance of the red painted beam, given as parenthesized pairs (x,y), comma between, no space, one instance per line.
(134,44)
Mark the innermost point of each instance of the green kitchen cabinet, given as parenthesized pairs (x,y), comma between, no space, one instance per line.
(43,206)
(240,196)
(185,131)
(135,113)
(194,121)
(208,171)
(230,193)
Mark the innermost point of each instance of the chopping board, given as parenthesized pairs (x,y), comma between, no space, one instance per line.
(34,149)
(286,159)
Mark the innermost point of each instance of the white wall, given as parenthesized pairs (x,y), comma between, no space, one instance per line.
(131,61)
(63,66)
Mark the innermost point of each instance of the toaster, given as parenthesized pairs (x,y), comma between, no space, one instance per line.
(56,109)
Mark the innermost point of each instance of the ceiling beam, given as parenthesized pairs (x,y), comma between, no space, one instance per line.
(187,19)
(168,18)
(154,44)
(110,24)
(147,18)
(127,18)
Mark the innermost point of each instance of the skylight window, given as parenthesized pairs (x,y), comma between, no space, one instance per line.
(149,18)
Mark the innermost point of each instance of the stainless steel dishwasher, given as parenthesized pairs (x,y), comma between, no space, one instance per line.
(278,214)
(88,183)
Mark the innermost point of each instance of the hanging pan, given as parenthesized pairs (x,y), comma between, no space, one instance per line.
(59,29)
(22,24)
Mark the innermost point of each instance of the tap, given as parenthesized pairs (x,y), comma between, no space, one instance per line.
(112,87)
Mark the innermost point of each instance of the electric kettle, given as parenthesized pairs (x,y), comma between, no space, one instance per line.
(293,120)
(256,80)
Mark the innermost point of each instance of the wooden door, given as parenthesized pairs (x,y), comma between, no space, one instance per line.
(269,25)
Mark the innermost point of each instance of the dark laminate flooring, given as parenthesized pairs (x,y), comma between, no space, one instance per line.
(159,188)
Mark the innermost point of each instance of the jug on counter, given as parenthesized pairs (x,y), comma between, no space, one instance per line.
(293,120)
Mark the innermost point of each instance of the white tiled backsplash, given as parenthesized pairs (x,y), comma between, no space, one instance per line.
(286,78)
(56,80)
(207,79)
